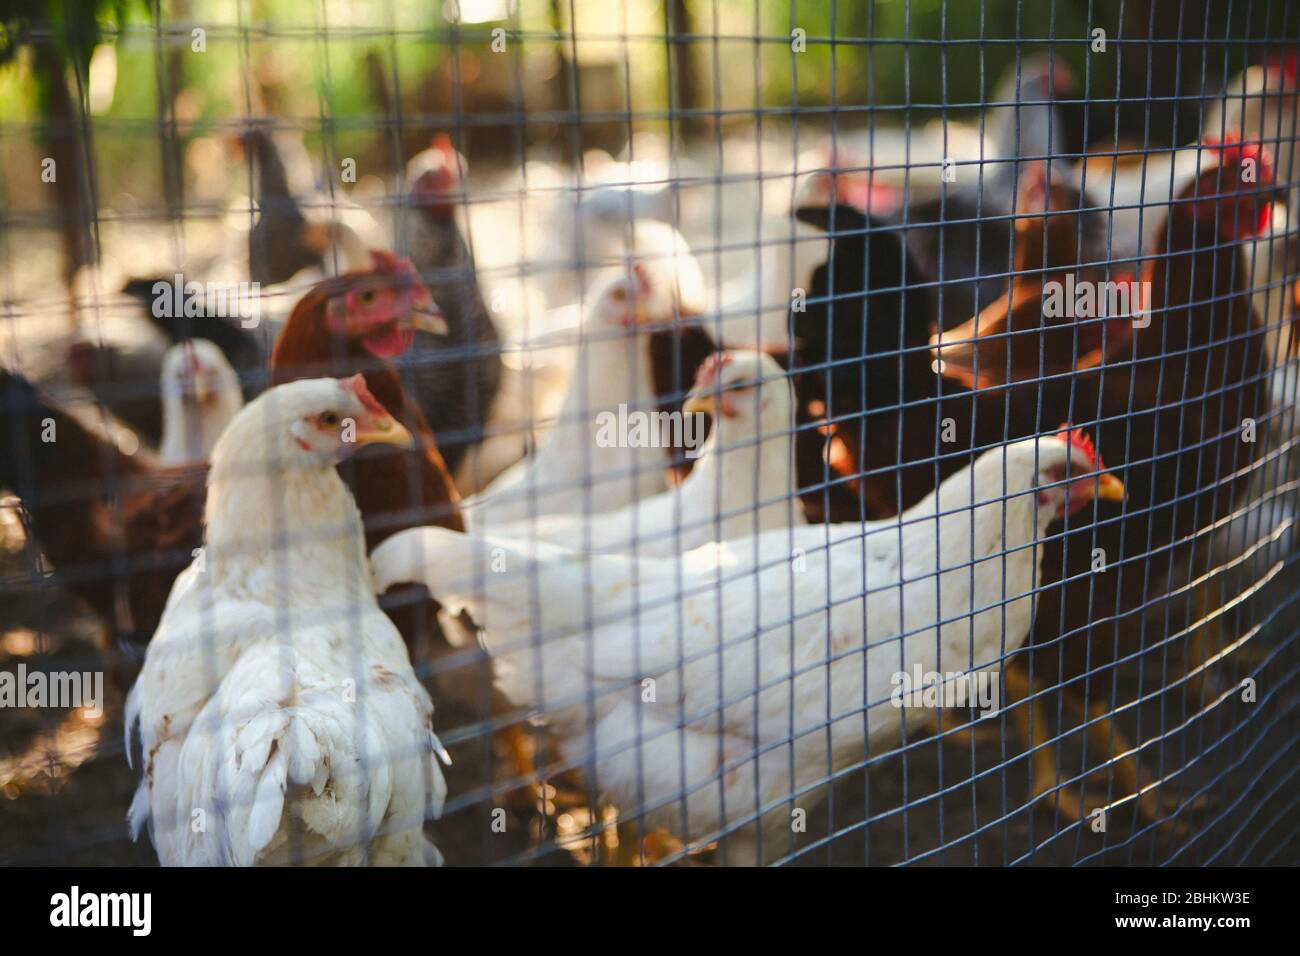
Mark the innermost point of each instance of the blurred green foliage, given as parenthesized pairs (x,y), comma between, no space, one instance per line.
(334,68)
(857,52)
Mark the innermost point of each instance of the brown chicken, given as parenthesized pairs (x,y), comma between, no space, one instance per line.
(116,530)
(1052,239)
(1169,395)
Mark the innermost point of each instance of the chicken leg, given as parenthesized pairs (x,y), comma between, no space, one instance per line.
(1154,806)
(1031,720)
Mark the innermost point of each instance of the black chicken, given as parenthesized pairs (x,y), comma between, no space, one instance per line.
(861,367)
(281,242)
(455,377)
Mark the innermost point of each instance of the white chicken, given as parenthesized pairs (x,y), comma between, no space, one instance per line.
(578,222)
(279,718)
(200,393)
(724,687)
(612,374)
(742,482)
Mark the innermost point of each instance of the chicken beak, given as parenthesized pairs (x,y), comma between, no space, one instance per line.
(383,431)
(954,361)
(699,402)
(1110,488)
(427,318)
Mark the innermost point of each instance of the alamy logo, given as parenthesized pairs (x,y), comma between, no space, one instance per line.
(639,429)
(230,300)
(103,909)
(1089,300)
(951,689)
(61,689)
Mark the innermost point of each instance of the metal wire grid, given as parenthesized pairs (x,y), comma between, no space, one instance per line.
(1273,718)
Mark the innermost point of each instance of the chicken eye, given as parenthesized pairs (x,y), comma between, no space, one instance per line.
(619,295)
(368,297)
(329,419)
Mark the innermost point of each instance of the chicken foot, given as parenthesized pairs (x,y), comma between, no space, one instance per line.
(1154,806)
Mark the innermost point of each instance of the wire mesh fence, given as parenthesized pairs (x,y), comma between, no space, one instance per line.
(769,433)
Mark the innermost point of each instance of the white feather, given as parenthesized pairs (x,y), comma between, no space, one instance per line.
(612,368)
(766,658)
(278,714)
(744,480)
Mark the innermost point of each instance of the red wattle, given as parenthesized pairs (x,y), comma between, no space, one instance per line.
(388,342)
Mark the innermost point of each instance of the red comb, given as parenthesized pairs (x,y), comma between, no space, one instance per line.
(1063,82)
(861,191)
(711,368)
(451,169)
(402,269)
(383,261)
(1286,66)
(1032,191)
(856,186)
(357,386)
(1080,439)
(1233,152)
(644,281)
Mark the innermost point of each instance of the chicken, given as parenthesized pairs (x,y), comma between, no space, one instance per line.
(862,350)
(755,305)
(119,357)
(360,322)
(1273,259)
(613,376)
(200,395)
(578,222)
(1261,105)
(1258,106)
(245,349)
(454,376)
(363,321)
(855,374)
(114,355)
(297,227)
(117,530)
(539,358)
(1179,418)
(743,481)
(960,237)
(1013,331)
(1039,96)
(279,719)
(746,649)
